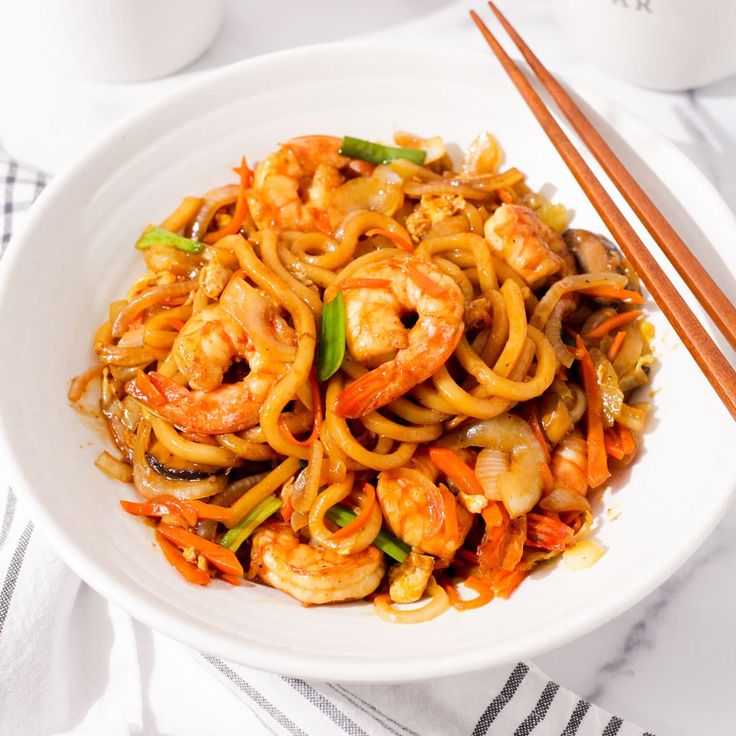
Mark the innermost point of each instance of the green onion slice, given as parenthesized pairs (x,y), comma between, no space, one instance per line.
(332,338)
(166,237)
(376,153)
(394,548)
(258,514)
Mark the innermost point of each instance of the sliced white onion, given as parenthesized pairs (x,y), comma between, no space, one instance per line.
(483,155)
(634,416)
(257,316)
(114,468)
(563,499)
(489,465)
(150,484)
(583,554)
(385,172)
(132,338)
(438,604)
(434,146)
(364,193)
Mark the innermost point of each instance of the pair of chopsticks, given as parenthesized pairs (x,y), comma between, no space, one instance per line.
(705,352)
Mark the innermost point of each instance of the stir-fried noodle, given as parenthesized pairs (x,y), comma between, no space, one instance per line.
(362,371)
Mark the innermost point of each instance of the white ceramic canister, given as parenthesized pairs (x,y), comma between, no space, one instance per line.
(117,40)
(661,44)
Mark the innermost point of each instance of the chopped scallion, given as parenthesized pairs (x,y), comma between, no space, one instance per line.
(377,153)
(258,514)
(166,237)
(332,338)
(395,548)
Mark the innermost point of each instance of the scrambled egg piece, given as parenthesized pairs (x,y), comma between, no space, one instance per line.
(433,208)
(408,580)
(473,502)
(556,216)
(213,278)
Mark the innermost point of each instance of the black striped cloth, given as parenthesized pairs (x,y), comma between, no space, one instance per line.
(517,700)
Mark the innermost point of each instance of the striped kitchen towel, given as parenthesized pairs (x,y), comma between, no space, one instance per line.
(72,663)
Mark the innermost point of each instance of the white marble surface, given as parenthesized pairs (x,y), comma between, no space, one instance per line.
(668,664)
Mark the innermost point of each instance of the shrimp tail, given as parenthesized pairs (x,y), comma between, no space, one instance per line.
(228,408)
(366,393)
(168,387)
(169,390)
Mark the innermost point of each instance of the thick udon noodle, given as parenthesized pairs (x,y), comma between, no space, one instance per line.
(482,468)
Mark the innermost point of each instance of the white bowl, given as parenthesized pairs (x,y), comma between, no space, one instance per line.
(76,254)
(114,40)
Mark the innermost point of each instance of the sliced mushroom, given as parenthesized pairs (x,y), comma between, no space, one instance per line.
(594,252)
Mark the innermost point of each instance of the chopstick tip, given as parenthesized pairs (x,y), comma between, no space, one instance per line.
(497,12)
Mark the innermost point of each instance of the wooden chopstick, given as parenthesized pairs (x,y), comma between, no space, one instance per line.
(705,352)
(698,280)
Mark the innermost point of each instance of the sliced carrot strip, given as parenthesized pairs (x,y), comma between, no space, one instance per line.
(210,511)
(451,526)
(360,520)
(162,506)
(430,286)
(190,511)
(450,463)
(485,594)
(232,579)
(397,239)
(174,557)
(287,509)
(455,600)
(611,292)
(223,559)
(533,421)
(597,460)
(616,321)
(618,341)
(627,439)
(492,514)
(177,324)
(153,396)
(504,583)
(613,444)
(241,207)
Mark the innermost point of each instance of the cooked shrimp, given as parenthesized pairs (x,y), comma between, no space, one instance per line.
(416,511)
(518,482)
(207,346)
(230,407)
(529,246)
(291,187)
(376,335)
(312,575)
(570,463)
(215,337)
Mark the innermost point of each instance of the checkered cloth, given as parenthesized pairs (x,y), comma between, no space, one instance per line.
(62,670)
